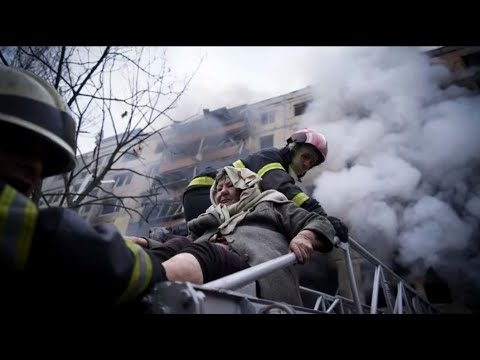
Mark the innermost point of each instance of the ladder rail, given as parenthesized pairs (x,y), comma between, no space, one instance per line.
(351,276)
(215,292)
(403,288)
(373,260)
(246,276)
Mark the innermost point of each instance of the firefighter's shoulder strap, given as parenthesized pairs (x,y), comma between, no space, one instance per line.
(205,178)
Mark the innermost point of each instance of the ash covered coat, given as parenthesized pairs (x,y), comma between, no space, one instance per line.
(265,233)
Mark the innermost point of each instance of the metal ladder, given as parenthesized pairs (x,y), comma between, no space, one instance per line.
(235,293)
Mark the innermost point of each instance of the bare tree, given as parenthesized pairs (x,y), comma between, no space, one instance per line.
(92,81)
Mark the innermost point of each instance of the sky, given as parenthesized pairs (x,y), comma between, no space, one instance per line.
(230,76)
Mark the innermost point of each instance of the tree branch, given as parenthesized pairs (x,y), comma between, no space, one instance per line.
(92,71)
(5,62)
(59,69)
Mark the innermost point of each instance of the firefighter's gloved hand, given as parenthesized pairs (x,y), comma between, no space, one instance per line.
(138,240)
(160,234)
(341,230)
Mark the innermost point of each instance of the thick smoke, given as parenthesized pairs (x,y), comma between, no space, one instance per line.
(403,168)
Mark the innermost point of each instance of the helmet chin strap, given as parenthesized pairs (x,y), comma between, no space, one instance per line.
(294,148)
(294,174)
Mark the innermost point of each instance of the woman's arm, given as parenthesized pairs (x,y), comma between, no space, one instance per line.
(308,231)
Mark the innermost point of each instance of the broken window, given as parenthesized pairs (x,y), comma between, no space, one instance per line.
(82,175)
(110,206)
(92,195)
(267,117)
(471,60)
(214,143)
(123,179)
(103,160)
(266,141)
(54,196)
(171,178)
(162,210)
(301,108)
(75,188)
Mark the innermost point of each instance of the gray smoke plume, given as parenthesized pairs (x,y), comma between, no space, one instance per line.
(403,167)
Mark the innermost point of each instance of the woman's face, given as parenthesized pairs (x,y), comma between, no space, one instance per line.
(226,193)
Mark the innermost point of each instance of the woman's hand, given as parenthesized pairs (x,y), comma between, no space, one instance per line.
(302,245)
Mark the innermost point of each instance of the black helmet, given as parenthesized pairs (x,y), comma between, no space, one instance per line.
(33,112)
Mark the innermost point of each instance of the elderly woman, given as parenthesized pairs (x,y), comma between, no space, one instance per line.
(245,227)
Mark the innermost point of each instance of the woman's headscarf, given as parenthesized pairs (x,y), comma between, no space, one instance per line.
(230,215)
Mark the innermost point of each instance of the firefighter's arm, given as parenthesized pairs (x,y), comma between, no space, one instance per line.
(59,247)
(274,176)
(279,179)
(97,258)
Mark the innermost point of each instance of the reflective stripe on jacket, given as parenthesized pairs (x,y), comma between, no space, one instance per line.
(272,165)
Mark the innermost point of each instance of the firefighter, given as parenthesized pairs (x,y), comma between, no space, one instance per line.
(278,168)
(51,259)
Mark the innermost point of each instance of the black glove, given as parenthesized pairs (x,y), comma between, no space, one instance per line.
(160,234)
(341,230)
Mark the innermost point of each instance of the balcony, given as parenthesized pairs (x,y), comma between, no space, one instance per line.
(207,155)
(197,132)
(220,153)
(179,164)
